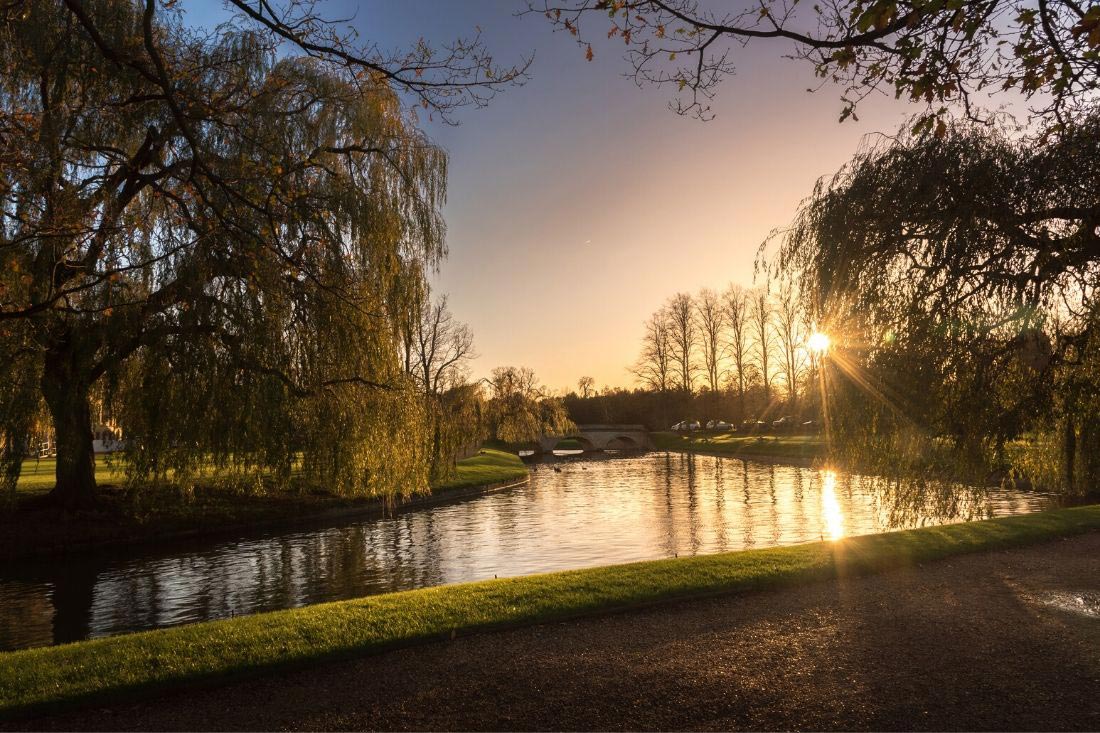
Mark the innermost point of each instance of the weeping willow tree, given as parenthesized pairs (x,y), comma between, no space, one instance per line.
(957,273)
(216,239)
(520,410)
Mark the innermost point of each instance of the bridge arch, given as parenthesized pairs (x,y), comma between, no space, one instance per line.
(622,442)
(602,437)
(585,444)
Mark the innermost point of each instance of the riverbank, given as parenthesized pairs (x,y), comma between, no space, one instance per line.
(980,642)
(122,667)
(163,515)
(796,449)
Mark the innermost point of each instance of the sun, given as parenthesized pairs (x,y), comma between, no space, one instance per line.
(818,342)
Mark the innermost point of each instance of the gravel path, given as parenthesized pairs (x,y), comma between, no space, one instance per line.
(1000,641)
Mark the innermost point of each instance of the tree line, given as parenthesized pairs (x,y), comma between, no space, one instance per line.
(954,263)
(734,355)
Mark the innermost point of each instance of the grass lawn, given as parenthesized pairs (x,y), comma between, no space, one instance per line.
(102,670)
(159,512)
(37,476)
(736,444)
(488,467)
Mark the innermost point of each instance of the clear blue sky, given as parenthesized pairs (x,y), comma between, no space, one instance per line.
(579,202)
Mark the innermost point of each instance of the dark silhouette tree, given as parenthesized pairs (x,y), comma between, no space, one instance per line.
(965,268)
(736,303)
(683,339)
(934,52)
(763,337)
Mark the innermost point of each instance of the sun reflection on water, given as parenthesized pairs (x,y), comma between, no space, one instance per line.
(830,507)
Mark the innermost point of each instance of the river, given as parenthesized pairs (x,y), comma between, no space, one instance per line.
(577,511)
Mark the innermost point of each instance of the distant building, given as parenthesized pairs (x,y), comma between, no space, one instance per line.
(106,438)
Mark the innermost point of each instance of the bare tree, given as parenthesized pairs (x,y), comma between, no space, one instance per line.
(587,386)
(736,303)
(654,365)
(712,320)
(442,346)
(760,323)
(682,337)
(790,334)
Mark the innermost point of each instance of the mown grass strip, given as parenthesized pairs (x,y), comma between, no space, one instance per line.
(125,666)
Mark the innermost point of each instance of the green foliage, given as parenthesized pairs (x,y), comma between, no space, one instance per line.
(957,275)
(519,411)
(213,240)
(125,666)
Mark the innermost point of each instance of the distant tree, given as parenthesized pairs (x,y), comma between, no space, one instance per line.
(587,386)
(736,303)
(520,410)
(712,322)
(760,324)
(654,366)
(923,51)
(791,340)
(683,338)
(437,350)
(442,347)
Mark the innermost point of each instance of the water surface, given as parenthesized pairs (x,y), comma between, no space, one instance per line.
(577,511)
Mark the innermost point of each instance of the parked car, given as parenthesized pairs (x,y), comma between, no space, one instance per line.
(723,425)
(693,425)
(676,427)
(811,426)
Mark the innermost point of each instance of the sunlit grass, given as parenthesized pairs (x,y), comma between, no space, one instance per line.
(37,476)
(104,670)
(489,466)
(739,444)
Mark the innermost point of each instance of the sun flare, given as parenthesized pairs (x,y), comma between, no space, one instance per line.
(818,342)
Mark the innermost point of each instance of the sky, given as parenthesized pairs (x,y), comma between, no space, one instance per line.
(578,203)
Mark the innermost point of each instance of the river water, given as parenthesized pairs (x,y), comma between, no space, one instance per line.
(577,511)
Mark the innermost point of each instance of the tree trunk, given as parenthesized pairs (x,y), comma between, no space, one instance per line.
(1090,454)
(1069,454)
(65,390)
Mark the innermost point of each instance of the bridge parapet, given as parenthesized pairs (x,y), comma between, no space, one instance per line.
(603,437)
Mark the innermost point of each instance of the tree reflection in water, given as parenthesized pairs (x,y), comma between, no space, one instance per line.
(596,510)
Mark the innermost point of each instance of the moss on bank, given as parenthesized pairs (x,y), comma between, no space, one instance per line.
(119,667)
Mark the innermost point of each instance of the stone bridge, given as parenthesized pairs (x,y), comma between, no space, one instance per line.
(602,437)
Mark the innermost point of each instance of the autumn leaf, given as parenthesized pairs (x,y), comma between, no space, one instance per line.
(588,54)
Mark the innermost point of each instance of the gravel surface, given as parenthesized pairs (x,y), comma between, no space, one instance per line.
(999,641)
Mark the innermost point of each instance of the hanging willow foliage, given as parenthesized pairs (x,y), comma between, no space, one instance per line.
(958,276)
(225,264)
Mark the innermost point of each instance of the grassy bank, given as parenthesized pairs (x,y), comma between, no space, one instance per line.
(489,467)
(795,447)
(155,513)
(108,669)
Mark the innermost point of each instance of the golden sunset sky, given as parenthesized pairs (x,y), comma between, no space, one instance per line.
(578,203)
